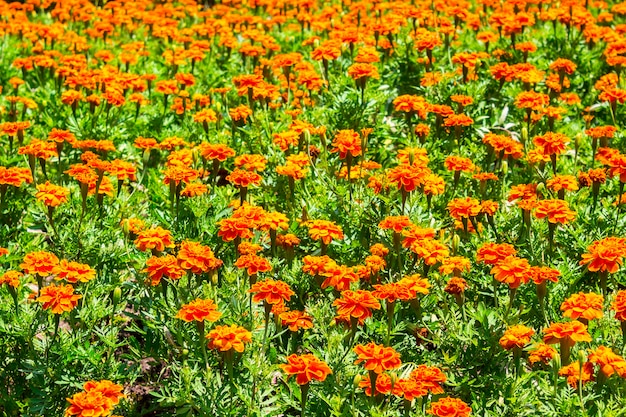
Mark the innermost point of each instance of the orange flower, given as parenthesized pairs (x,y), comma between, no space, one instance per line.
(569,331)
(225,338)
(347,142)
(11,278)
(217,151)
(576,374)
(306,368)
(608,361)
(338,277)
(587,306)
(158,267)
(377,358)
(456,286)
(512,270)
(605,255)
(557,211)
(51,195)
(416,284)
(39,263)
(296,320)
(58,298)
(271,292)
(449,407)
(324,230)
(455,265)
(356,304)
(492,253)
(156,239)
(393,291)
(395,223)
(197,258)
(89,404)
(541,274)
(199,310)
(233,228)
(243,178)
(359,70)
(407,177)
(253,264)
(110,390)
(467,207)
(430,377)
(619,305)
(542,353)
(73,272)
(552,143)
(459,163)
(430,250)
(516,336)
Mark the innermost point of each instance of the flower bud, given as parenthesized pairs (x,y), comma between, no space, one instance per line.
(505,167)
(117,295)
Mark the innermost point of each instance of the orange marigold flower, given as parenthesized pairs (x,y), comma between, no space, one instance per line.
(156,239)
(455,265)
(360,70)
(491,253)
(379,249)
(456,286)
(39,263)
(557,211)
(253,264)
(542,353)
(271,291)
(416,284)
(218,151)
(393,291)
(619,305)
(575,374)
(512,270)
(11,278)
(51,195)
(58,298)
(608,361)
(225,338)
(430,376)
(296,320)
(569,331)
(516,336)
(552,143)
(89,404)
(430,250)
(199,310)
(605,255)
(158,267)
(306,368)
(395,223)
(377,358)
(243,178)
(407,177)
(73,272)
(541,274)
(531,100)
(356,304)
(232,228)
(324,230)
(459,163)
(111,391)
(583,305)
(338,277)
(562,182)
(197,258)
(449,407)
(467,207)
(347,142)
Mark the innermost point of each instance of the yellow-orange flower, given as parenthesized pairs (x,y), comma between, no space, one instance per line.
(583,305)
(225,338)
(377,358)
(39,263)
(357,304)
(199,310)
(516,336)
(605,255)
(154,239)
(58,298)
(52,195)
(306,368)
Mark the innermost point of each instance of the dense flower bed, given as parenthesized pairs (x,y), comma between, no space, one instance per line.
(312,208)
